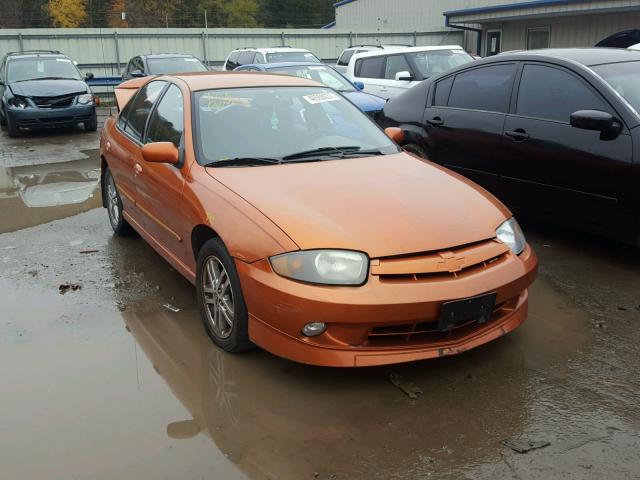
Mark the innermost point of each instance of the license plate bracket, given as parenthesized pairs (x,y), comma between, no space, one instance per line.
(477,308)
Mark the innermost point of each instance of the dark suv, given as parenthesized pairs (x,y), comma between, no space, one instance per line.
(162,64)
(44,88)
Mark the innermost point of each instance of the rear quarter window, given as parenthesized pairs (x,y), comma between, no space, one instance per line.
(345,57)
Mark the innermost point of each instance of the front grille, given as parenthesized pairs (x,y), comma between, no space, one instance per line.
(54,102)
(440,265)
(420,333)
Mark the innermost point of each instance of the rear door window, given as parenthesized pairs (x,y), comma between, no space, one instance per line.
(232,61)
(246,58)
(135,113)
(487,88)
(554,94)
(441,96)
(370,67)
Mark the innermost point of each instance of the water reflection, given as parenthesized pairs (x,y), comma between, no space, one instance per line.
(34,194)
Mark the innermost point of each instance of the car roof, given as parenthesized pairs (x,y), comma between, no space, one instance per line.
(34,54)
(212,80)
(400,49)
(272,66)
(272,49)
(585,56)
(166,55)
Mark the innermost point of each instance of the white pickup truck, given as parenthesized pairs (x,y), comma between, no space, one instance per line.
(389,72)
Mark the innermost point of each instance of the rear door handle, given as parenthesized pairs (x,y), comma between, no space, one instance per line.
(137,169)
(518,135)
(436,122)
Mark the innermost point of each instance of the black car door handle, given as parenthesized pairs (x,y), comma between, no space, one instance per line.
(436,122)
(518,134)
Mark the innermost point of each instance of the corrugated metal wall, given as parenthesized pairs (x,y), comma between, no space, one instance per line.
(106,51)
(566,31)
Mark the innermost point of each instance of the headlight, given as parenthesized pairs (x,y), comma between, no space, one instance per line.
(511,235)
(328,267)
(85,98)
(19,102)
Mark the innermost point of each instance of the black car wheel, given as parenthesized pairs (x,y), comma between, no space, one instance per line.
(3,119)
(113,203)
(220,298)
(91,125)
(12,128)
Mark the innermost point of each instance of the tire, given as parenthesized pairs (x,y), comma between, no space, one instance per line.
(222,307)
(113,203)
(415,149)
(12,128)
(3,119)
(91,125)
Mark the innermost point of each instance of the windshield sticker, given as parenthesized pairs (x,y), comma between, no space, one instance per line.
(190,59)
(321,97)
(65,60)
(315,68)
(216,102)
(40,67)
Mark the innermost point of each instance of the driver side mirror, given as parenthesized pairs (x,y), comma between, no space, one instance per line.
(88,76)
(161,152)
(394,133)
(137,73)
(404,76)
(359,85)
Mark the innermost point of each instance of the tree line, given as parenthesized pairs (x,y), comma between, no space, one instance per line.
(165,13)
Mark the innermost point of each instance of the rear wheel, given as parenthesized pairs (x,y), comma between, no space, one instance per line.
(3,118)
(113,202)
(415,149)
(91,125)
(220,298)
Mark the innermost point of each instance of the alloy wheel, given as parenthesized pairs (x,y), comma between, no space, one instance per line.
(217,295)
(113,205)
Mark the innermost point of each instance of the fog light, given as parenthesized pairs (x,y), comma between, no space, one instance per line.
(313,329)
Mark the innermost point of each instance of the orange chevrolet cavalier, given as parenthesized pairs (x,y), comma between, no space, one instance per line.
(304,228)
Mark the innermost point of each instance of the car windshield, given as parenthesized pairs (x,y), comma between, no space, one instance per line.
(433,62)
(624,78)
(276,122)
(291,57)
(168,65)
(319,73)
(33,68)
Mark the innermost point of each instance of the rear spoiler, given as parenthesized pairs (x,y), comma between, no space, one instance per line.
(128,89)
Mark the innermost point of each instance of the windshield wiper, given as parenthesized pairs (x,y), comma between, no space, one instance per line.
(335,152)
(320,151)
(244,162)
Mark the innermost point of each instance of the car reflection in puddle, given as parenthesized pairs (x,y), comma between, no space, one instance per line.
(35,194)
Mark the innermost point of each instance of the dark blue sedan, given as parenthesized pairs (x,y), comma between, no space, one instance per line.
(369,104)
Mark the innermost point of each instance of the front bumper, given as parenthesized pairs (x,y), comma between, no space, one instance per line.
(380,322)
(41,117)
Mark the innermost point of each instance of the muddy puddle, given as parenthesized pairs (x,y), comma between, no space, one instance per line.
(105,382)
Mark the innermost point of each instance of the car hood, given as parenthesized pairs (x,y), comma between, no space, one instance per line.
(386,205)
(48,88)
(365,101)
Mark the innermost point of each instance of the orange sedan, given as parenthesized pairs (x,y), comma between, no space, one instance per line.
(304,228)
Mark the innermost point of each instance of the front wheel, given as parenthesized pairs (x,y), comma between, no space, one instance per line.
(220,298)
(91,125)
(12,128)
(113,202)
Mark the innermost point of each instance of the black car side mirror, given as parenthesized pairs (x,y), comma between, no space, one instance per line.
(598,121)
(591,120)
(89,76)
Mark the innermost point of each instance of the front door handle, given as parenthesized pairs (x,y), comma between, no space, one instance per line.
(518,135)
(436,122)
(137,169)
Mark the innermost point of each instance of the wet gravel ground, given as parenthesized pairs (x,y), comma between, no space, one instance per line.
(106,382)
